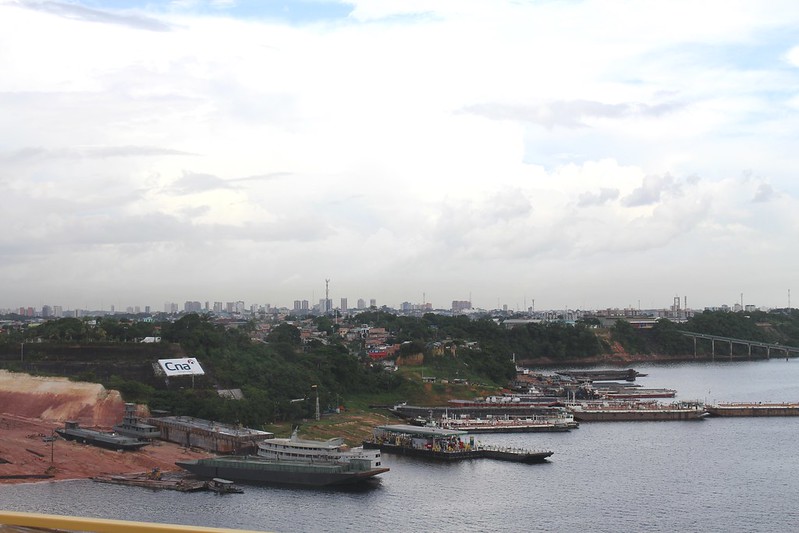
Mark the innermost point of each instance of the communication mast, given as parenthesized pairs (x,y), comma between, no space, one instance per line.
(327,296)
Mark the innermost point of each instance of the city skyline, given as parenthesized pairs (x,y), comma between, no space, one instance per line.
(305,306)
(579,154)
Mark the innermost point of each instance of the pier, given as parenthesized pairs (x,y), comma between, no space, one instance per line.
(785,350)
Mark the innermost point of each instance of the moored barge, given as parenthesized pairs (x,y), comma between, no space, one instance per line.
(628,374)
(506,424)
(444,445)
(636,411)
(753,409)
(104,439)
(155,480)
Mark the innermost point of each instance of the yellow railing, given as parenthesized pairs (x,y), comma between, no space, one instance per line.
(99,525)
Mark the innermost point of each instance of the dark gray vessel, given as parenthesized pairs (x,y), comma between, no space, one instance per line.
(104,439)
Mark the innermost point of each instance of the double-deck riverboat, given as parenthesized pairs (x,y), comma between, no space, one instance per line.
(294,461)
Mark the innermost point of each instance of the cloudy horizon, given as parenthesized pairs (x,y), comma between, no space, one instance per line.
(579,154)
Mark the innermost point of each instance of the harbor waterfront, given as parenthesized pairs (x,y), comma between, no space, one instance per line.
(720,474)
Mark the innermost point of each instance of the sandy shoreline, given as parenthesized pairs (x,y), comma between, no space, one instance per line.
(26,457)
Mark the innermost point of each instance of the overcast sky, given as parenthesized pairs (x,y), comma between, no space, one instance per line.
(572,154)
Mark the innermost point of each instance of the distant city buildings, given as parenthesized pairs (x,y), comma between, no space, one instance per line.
(460,306)
(678,311)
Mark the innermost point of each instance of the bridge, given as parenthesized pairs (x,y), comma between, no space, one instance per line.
(769,347)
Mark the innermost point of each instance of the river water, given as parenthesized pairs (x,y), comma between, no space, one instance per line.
(711,475)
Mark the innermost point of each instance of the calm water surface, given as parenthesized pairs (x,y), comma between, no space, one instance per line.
(713,475)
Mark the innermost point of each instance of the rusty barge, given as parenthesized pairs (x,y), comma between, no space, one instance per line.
(753,409)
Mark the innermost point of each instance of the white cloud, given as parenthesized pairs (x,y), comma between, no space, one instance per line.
(499,148)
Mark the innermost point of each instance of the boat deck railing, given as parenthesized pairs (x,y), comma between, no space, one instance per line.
(16,521)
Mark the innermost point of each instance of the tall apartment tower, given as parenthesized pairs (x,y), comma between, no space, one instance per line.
(343,305)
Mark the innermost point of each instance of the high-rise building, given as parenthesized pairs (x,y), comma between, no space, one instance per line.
(192,307)
(343,306)
(58,311)
(458,306)
(217,307)
(361,303)
(372,303)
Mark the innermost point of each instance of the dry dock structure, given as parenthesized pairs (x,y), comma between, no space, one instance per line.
(212,436)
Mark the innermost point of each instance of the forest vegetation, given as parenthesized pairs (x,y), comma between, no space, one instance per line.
(280,376)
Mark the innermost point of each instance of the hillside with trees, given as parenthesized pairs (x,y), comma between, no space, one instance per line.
(281,374)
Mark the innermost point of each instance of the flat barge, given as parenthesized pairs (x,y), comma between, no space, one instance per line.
(505,425)
(479,410)
(753,409)
(104,439)
(155,480)
(602,375)
(636,411)
(446,445)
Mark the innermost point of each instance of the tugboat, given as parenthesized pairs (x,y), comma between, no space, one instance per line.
(132,426)
(222,486)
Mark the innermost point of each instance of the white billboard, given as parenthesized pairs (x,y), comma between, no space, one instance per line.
(181,367)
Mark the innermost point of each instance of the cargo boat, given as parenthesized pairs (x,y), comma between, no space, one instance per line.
(104,439)
(444,445)
(636,411)
(294,461)
(753,409)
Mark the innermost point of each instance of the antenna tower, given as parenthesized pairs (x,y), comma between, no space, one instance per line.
(327,296)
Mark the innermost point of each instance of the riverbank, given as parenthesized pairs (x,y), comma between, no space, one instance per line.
(33,407)
(29,454)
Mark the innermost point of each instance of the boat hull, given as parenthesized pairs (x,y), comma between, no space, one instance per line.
(536,428)
(254,470)
(101,440)
(636,415)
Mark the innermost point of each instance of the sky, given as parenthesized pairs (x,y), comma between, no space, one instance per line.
(547,154)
